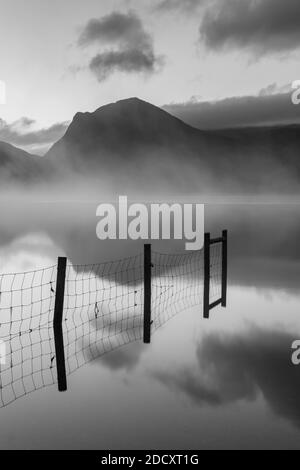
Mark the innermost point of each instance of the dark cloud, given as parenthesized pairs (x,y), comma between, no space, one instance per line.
(266,109)
(231,369)
(21,134)
(130,60)
(262,26)
(132,45)
(116,28)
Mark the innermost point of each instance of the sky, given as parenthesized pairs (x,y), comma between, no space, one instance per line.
(59,57)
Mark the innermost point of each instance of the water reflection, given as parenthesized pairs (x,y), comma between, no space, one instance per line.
(125,359)
(264,244)
(227,364)
(240,367)
(103,310)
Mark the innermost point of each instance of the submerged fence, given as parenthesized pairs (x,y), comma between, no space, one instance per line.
(54,320)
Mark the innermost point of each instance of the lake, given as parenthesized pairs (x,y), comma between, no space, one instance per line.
(226,382)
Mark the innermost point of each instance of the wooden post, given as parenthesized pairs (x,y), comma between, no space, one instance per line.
(206,275)
(57,324)
(224,268)
(147,293)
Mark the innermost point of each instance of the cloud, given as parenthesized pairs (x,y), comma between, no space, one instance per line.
(123,358)
(132,50)
(118,28)
(233,368)
(262,26)
(268,108)
(21,134)
(130,60)
(274,89)
(188,6)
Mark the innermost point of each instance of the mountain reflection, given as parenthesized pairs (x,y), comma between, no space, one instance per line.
(264,249)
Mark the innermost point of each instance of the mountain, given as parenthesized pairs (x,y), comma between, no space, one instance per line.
(133,143)
(16,164)
(125,129)
(132,137)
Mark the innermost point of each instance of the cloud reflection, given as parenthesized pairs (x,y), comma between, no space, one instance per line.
(233,368)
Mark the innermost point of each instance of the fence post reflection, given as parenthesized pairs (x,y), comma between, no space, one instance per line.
(147,293)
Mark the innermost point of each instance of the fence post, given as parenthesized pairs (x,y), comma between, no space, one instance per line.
(57,324)
(147,293)
(224,268)
(206,275)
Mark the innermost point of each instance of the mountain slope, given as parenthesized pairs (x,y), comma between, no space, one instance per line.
(134,139)
(18,165)
(124,129)
(134,144)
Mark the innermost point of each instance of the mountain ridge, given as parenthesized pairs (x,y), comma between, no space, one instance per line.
(132,138)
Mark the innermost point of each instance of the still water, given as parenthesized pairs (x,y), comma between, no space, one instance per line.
(226,382)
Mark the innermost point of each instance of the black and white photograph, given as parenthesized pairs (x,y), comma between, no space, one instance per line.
(149,227)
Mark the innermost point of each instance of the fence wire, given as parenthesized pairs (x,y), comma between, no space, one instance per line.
(26,333)
(215,272)
(103,310)
(176,284)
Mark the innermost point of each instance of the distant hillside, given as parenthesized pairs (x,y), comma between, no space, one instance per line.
(18,165)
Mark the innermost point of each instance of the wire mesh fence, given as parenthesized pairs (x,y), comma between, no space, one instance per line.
(103,309)
(176,285)
(215,272)
(26,315)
